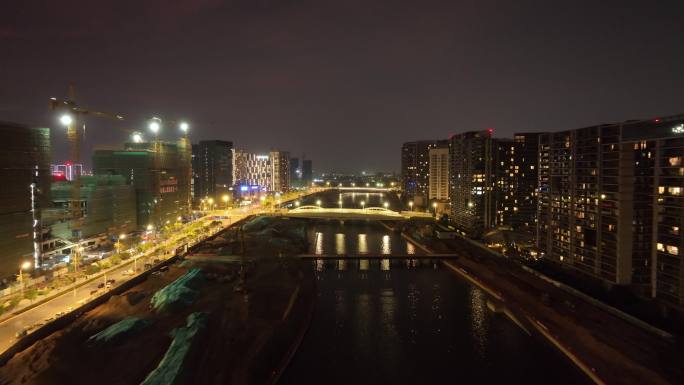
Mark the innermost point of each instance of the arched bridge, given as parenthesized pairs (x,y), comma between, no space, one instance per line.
(377,213)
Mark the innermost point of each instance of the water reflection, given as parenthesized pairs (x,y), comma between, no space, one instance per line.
(363,244)
(319,243)
(340,247)
(478,320)
(386,248)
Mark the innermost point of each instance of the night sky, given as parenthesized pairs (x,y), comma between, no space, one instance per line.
(345,82)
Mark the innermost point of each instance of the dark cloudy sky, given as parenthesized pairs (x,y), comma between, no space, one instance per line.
(346,81)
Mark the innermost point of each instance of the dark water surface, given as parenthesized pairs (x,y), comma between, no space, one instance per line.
(411,321)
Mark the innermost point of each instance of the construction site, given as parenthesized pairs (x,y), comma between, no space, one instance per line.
(230,311)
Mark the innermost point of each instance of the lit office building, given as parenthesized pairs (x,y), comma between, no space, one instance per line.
(261,172)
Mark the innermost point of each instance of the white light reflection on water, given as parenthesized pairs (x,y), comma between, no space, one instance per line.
(478,324)
(340,247)
(363,244)
(319,243)
(386,246)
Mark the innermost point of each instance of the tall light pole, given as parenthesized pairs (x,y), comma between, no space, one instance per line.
(434,207)
(24,266)
(363,205)
(225,199)
(118,242)
(411,205)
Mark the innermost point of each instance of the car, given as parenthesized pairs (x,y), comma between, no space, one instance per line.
(21,333)
(93,292)
(100,285)
(164,269)
(111,281)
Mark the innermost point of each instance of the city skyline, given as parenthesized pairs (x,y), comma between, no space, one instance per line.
(248,71)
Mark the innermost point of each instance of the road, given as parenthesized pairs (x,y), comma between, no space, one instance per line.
(75,298)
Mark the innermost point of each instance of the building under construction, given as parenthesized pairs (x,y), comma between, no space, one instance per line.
(25,174)
(107,206)
(159,173)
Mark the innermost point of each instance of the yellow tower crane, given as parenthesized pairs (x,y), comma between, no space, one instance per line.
(71,117)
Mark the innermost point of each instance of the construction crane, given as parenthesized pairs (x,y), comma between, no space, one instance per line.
(71,117)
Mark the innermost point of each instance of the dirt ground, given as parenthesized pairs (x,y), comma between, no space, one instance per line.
(238,346)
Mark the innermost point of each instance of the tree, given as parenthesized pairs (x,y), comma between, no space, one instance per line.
(31,293)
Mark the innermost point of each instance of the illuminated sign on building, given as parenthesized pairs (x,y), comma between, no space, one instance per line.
(168,186)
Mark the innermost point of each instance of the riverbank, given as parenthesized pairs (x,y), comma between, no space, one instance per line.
(605,346)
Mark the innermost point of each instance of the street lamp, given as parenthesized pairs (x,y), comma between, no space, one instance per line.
(339,203)
(66,119)
(411,205)
(184,126)
(318,203)
(24,266)
(386,204)
(118,242)
(154,125)
(363,205)
(434,206)
(225,199)
(297,203)
(137,137)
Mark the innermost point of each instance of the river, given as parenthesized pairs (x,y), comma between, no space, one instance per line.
(408,321)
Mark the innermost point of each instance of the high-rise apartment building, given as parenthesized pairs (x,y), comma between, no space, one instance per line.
(473,208)
(438,185)
(25,172)
(415,166)
(295,172)
(280,164)
(307,172)
(611,203)
(213,168)
(515,180)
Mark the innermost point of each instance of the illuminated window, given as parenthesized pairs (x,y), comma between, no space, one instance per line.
(674,250)
(661,189)
(675,161)
(675,191)
(660,247)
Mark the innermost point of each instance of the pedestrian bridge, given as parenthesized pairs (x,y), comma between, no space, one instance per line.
(374,213)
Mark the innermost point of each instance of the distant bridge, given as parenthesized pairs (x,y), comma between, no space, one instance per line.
(374,213)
